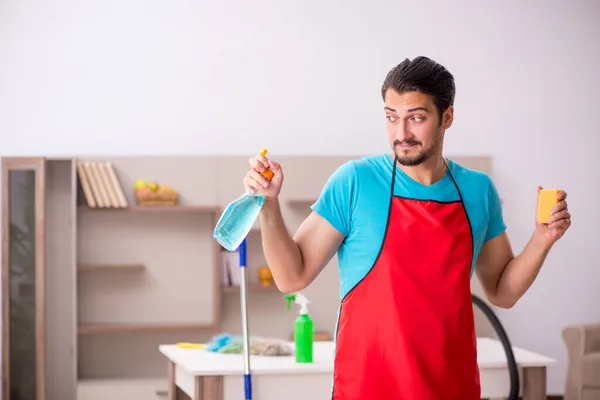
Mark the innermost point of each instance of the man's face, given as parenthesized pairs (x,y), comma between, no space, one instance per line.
(413,126)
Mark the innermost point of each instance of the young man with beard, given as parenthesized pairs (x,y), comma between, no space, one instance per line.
(409,227)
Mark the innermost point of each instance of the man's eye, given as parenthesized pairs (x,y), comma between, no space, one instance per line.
(417,118)
(391,118)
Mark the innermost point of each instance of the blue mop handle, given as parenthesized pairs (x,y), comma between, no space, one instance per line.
(248,386)
(242,249)
(247,376)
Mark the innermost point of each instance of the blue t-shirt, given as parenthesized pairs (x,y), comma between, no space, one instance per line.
(356,200)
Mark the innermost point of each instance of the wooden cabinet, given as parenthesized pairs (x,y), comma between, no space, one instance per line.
(23,283)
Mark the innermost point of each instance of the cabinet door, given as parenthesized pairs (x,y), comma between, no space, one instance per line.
(23,311)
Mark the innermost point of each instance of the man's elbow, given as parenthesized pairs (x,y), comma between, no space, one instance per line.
(505,302)
(288,287)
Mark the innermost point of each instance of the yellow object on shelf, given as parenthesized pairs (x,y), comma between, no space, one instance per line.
(186,345)
(265,277)
(155,194)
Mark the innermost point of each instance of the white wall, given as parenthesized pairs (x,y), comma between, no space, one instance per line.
(301,77)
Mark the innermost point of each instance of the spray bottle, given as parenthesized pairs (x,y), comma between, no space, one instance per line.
(240,215)
(303,329)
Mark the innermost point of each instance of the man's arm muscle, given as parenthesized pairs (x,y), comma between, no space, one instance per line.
(296,262)
(504,277)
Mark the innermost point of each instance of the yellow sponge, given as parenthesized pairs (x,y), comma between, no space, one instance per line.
(547,199)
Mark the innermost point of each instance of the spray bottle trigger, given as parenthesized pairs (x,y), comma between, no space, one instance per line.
(290,298)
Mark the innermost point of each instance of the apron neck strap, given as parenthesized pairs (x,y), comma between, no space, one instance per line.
(447,168)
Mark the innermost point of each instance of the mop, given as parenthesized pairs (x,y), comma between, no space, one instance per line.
(243,285)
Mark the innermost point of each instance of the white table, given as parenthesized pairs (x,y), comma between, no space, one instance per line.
(200,375)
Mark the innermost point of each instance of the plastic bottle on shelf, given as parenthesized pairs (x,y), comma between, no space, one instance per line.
(303,329)
(240,215)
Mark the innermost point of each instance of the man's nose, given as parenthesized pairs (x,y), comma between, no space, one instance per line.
(403,132)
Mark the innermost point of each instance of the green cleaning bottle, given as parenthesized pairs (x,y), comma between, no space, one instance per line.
(303,329)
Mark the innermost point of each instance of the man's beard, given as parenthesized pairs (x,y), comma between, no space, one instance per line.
(421,156)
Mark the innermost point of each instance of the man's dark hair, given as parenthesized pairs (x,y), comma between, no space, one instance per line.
(422,75)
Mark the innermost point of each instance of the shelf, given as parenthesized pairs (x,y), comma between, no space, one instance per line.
(150,388)
(111,267)
(155,209)
(91,329)
(253,287)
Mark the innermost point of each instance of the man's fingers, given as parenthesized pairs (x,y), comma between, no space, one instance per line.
(563,224)
(258,163)
(561,205)
(560,216)
(274,165)
(258,178)
(263,160)
(254,164)
(252,184)
(562,195)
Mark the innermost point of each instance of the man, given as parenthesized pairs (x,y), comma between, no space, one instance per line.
(409,228)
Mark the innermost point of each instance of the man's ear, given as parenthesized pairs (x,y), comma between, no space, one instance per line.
(448,117)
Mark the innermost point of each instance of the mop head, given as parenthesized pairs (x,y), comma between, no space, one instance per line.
(259,346)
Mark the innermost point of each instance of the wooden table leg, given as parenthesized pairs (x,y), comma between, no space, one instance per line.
(199,390)
(175,393)
(172,388)
(534,383)
(209,388)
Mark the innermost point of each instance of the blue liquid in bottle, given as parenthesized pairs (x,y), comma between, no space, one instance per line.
(239,215)
(237,220)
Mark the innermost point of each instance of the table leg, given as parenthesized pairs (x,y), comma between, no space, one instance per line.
(534,383)
(209,388)
(175,393)
(172,388)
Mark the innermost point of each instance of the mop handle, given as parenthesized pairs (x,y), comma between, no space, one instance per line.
(247,376)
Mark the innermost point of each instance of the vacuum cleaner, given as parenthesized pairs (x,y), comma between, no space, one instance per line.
(503,337)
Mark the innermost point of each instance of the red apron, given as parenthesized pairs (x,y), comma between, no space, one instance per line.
(406,330)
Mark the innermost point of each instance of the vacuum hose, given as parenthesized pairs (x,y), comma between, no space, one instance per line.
(510,357)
